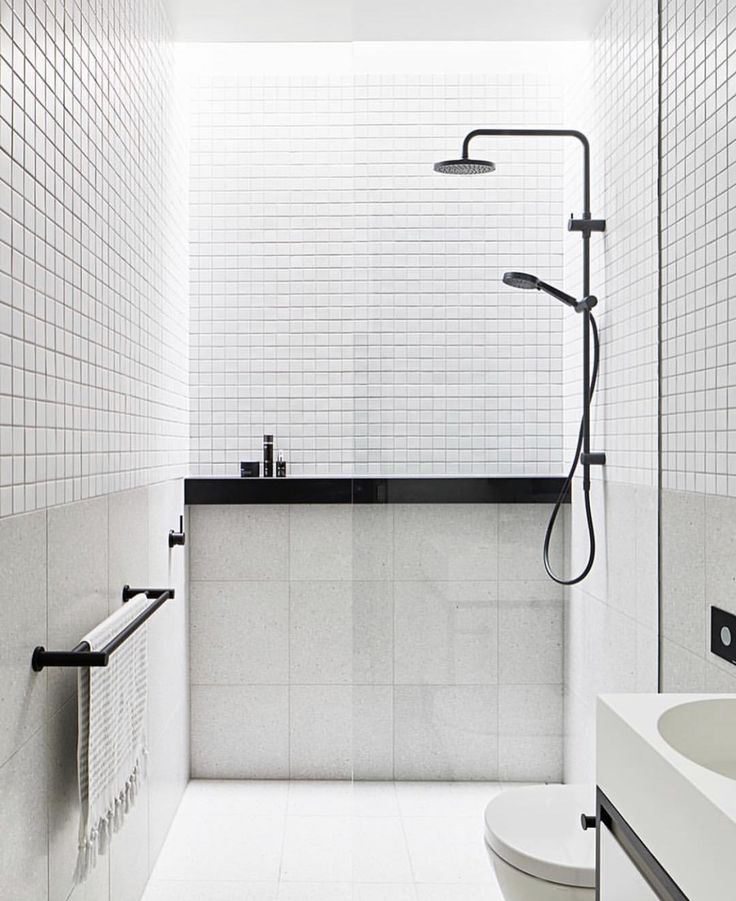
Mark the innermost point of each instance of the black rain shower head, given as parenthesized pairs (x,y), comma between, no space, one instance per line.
(528,282)
(464,167)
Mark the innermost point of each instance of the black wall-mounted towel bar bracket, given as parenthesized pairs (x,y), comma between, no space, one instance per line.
(81,655)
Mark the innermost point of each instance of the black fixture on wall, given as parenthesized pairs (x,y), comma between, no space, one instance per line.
(585,226)
(723,634)
(180,537)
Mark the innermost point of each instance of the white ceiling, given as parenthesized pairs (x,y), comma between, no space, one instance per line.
(384,20)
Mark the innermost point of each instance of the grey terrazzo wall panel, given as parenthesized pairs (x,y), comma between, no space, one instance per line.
(64,567)
(698,572)
(387,643)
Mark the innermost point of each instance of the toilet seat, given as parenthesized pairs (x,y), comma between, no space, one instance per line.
(537,830)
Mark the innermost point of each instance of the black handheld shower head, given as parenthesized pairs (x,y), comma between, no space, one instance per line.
(464,167)
(528,282)
(521,280)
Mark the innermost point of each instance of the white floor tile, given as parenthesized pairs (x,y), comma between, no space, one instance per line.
(379,851)
(214,797)
(315,891)
(339,891)
(384,892)
(319,799)
(375,799)
(362,799)
(483,892)
(505,785)
(450,799)
(220,849)
(210,891)
(327,841)
(317,849)
(447,849)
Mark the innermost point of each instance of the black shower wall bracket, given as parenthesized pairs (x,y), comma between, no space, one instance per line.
(593,459)
(586,226)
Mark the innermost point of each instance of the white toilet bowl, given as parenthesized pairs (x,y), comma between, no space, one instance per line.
(536,844)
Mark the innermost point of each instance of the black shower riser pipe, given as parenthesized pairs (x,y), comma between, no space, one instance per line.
(586,225)
(580,225)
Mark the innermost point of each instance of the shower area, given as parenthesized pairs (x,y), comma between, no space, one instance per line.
(395,620)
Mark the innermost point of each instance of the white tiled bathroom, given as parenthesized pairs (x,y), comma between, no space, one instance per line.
(385,350)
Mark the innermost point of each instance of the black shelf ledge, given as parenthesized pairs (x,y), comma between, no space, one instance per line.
(398,490)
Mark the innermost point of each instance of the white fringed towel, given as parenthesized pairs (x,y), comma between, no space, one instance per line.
(111,746)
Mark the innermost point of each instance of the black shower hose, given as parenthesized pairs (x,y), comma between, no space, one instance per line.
(567,485)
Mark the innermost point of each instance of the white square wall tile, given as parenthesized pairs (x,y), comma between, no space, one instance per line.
(99,347)
(348,369)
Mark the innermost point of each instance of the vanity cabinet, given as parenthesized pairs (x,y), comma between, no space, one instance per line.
(625,868)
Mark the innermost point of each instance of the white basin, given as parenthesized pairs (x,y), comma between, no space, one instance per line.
(704,731)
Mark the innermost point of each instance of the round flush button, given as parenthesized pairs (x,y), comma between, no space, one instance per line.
(725,636)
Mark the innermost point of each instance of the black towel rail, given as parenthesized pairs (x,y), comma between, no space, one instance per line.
(81,655)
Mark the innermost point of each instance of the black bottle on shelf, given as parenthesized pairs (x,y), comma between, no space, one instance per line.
(268,456)
(281,466)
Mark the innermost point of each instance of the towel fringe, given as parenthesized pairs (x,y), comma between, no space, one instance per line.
(100,835)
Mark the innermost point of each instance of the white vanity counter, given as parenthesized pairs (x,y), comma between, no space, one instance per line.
(683,811)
